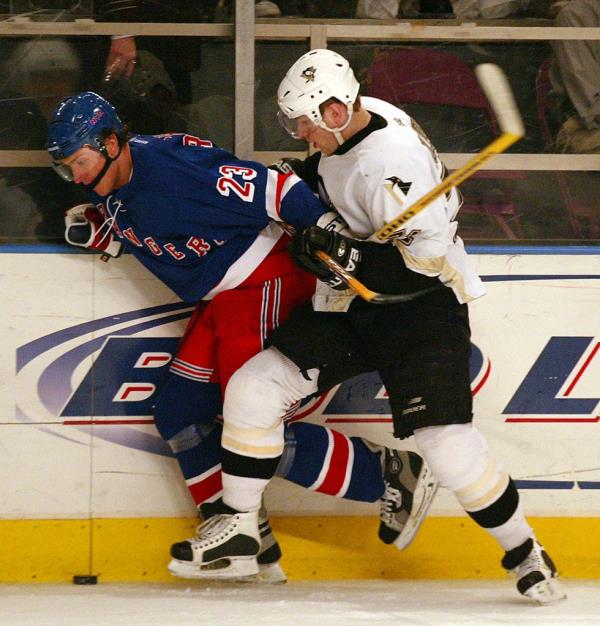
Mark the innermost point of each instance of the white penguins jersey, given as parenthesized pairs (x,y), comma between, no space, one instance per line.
(372,179)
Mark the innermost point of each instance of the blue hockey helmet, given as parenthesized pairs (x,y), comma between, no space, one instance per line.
(79,121)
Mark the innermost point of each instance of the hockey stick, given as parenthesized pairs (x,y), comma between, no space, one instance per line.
(498,91)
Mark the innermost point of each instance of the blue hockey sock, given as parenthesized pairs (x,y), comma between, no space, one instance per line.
(329,462)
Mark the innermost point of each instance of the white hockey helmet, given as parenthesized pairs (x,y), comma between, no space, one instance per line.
(314,78)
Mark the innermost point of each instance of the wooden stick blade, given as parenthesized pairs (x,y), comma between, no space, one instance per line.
(495,85)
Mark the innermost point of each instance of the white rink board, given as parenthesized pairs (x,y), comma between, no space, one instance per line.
(536,336)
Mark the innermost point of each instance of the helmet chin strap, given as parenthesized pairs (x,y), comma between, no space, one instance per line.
(338,135)
(107,163)
(337,132)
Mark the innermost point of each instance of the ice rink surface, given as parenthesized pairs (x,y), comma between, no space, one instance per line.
(322,603)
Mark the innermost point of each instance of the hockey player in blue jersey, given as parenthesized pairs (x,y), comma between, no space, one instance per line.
(203,222)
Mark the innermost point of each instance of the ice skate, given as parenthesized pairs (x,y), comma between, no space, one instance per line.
(225,547)
(409,491)
(269,569)
(536,574)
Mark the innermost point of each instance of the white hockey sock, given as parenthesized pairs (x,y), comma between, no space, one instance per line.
(243,493)
(458,457)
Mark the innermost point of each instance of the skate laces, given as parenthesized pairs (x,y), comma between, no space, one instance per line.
(108,222)
(533,562)
(212,526)
(391,503)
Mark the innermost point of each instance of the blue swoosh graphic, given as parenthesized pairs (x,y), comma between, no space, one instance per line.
(31,350)
(54,385)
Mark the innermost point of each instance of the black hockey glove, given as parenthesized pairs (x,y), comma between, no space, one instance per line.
(341,249)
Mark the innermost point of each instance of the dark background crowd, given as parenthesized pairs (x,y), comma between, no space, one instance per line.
(185,84)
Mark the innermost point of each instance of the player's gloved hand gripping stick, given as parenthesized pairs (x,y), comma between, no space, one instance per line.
(496,88)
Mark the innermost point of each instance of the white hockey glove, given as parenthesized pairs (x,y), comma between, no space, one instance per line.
(86,227)
(333,221)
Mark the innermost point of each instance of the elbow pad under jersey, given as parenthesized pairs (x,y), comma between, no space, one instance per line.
(382,269)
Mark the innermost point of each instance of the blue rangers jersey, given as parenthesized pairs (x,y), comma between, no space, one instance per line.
(198,217)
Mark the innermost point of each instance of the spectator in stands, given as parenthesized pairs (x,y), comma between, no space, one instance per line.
(34,76)
(461,9)
(43,70)
(575,78)
(180,55)
(147,98)
(378,9)
(266,8)
(487,9)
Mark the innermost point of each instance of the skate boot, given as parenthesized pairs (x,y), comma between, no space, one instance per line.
(225,547)
(269,569)
(409,491)
(536,574)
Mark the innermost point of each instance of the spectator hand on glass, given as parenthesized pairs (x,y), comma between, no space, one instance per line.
(121,58)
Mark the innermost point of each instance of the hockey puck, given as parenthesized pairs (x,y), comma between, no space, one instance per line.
(85,579)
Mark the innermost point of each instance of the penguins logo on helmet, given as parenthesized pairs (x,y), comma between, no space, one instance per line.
(309,74)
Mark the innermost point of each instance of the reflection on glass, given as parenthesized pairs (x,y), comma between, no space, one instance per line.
(428,83)
(118,11)
(32,205)
(435,84)
(51,10)
(272,60)
(166,91)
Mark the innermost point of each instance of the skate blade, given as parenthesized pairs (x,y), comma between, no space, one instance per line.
(546,592)
(413,523)
(237,569)
(270,574)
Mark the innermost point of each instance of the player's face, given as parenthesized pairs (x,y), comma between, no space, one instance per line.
(82,166)
(320,138)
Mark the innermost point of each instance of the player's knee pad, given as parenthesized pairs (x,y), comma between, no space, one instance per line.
(182,403)
(458,456)
(256,399)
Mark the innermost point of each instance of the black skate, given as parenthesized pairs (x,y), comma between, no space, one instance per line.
(409,491)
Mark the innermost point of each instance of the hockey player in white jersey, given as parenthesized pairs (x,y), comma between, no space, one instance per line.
(373,161)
